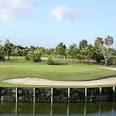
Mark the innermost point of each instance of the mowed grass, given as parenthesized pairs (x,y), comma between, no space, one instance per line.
(54,72)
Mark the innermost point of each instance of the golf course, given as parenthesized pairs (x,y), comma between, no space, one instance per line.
(67,73)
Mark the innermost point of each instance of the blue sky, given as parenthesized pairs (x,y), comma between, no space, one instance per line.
(48,22)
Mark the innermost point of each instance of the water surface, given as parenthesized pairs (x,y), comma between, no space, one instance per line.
(57,109)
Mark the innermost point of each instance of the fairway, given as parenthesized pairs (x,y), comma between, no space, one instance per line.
(77,72)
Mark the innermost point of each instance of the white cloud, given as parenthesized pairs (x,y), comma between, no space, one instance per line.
(64,12)
(11,9)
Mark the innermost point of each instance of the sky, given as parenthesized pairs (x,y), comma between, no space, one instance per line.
(48,22)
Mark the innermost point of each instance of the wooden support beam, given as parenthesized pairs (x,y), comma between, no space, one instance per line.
(51,95)
(33,94)
(16,92)
(85,94)
(68,109)
(114,92)
(68,93)
(100,92)
(16,108)
(51,111)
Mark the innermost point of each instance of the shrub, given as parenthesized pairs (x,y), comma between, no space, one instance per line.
(27,57)
(2,58)
(50,61)
(33,57)
(36,58)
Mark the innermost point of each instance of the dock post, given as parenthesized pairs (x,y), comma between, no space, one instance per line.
(68,109)
(51,95)
(16,108)
(16,92)
(33,101)
(68,93)
(100,92)
(85,94)
(114,93)
(51,111)
(33,94)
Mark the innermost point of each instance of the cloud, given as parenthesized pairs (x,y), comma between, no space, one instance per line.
(11,9)
(64,12)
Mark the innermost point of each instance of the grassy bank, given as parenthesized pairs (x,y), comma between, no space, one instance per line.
(53,72)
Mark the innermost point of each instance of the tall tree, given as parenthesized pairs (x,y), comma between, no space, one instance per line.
(32,48)
(108,41)
(14,51)
(98,55)
(8,47)
(2,54)
(50,52)
(106,48)
(39,51)
(98,42)
(83,44)
(61,50)
(73,51)
(89,52)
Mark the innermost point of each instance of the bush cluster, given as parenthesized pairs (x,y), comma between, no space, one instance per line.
(33,57)
(52,62)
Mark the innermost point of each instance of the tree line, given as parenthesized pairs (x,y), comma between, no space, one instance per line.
(100,51)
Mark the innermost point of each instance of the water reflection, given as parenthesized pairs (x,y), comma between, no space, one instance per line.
(57,109)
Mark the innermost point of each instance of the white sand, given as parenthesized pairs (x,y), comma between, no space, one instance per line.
(44,82)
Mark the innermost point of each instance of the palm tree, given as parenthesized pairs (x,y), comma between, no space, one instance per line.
(61,50)
(109,41)
(8,46)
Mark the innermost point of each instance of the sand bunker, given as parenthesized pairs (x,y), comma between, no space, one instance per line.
(44,82)
(109,68)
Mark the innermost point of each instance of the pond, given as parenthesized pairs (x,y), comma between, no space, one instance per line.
(57,109)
